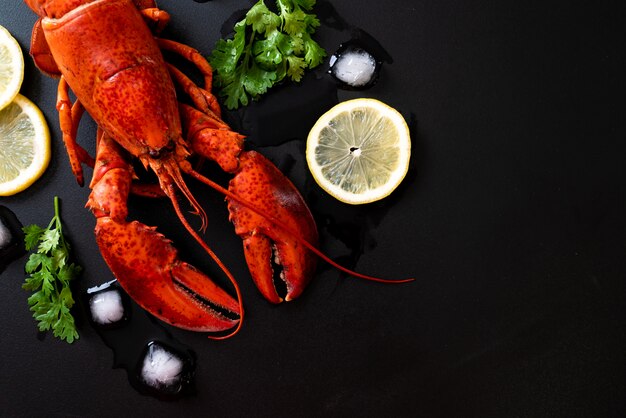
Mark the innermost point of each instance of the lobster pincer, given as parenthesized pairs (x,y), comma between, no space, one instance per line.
(267,244)
(268,212)
(145,263)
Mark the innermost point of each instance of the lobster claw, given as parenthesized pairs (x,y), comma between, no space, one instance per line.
(147,266)
(268,247)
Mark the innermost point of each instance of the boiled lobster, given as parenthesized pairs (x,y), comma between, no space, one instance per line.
(109,54)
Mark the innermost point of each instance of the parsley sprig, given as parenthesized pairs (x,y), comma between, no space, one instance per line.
(50,274)
(266,48)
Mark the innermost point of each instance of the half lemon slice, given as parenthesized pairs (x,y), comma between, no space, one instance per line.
(359,150)
(24,145)
(11,67)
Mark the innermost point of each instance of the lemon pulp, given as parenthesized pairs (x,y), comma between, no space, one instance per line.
(24,145)
(11,67)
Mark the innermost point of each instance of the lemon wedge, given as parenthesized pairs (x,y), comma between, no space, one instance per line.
(11,67)
(24,145)
(359,150)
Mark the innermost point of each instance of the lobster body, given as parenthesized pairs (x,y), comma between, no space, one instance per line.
(106,52)
(100,58)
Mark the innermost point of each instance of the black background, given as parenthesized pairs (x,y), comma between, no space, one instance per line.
(511,219)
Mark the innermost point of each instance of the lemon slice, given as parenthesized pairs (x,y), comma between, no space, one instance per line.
(24,145)
(11,67)
(359,150)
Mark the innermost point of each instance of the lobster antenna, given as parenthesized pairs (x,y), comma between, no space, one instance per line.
(284,227)
(174,173)
(215,258)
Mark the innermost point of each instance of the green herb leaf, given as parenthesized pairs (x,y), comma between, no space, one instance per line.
(32,234)
(313,52)
(266,47)
(305,4)
(295,69)
(262,19)
(34,261)
(49,241)
(227,53)
(269,52)
(50,274)
(65,328)
(67,273)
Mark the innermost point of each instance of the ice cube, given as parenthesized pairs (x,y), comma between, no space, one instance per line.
(354,67)
(106,307)
(5,235)
(162,369)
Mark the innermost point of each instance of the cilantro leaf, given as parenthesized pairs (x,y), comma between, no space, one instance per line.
(313,52)
(269,52)
(34,281)
(49,241)
(50,274)
(266,47)
(305,4)
(65,328)
(294,23)
(258,80)
(234,90)
(295,69)
(32,234)
(262,19)
(34,262)
(67,273)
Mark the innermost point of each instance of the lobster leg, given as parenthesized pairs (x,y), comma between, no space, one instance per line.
(69,117)
(211,138)
(157,17)
(144,262)
(147,190)
(201,98)
(190,54)
(203,66)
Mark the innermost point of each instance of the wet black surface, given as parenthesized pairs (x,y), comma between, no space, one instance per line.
(511,218)
(14,248)
(132,337)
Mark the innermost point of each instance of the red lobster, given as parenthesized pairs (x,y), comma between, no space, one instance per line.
(107,53)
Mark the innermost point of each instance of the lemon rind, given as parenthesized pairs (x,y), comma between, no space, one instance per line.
(370,195)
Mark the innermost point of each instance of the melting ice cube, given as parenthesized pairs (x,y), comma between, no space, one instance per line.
(354,66)
(162,369)
(106,307)
(107,304)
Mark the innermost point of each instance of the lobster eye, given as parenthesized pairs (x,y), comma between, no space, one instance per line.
(158,153)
